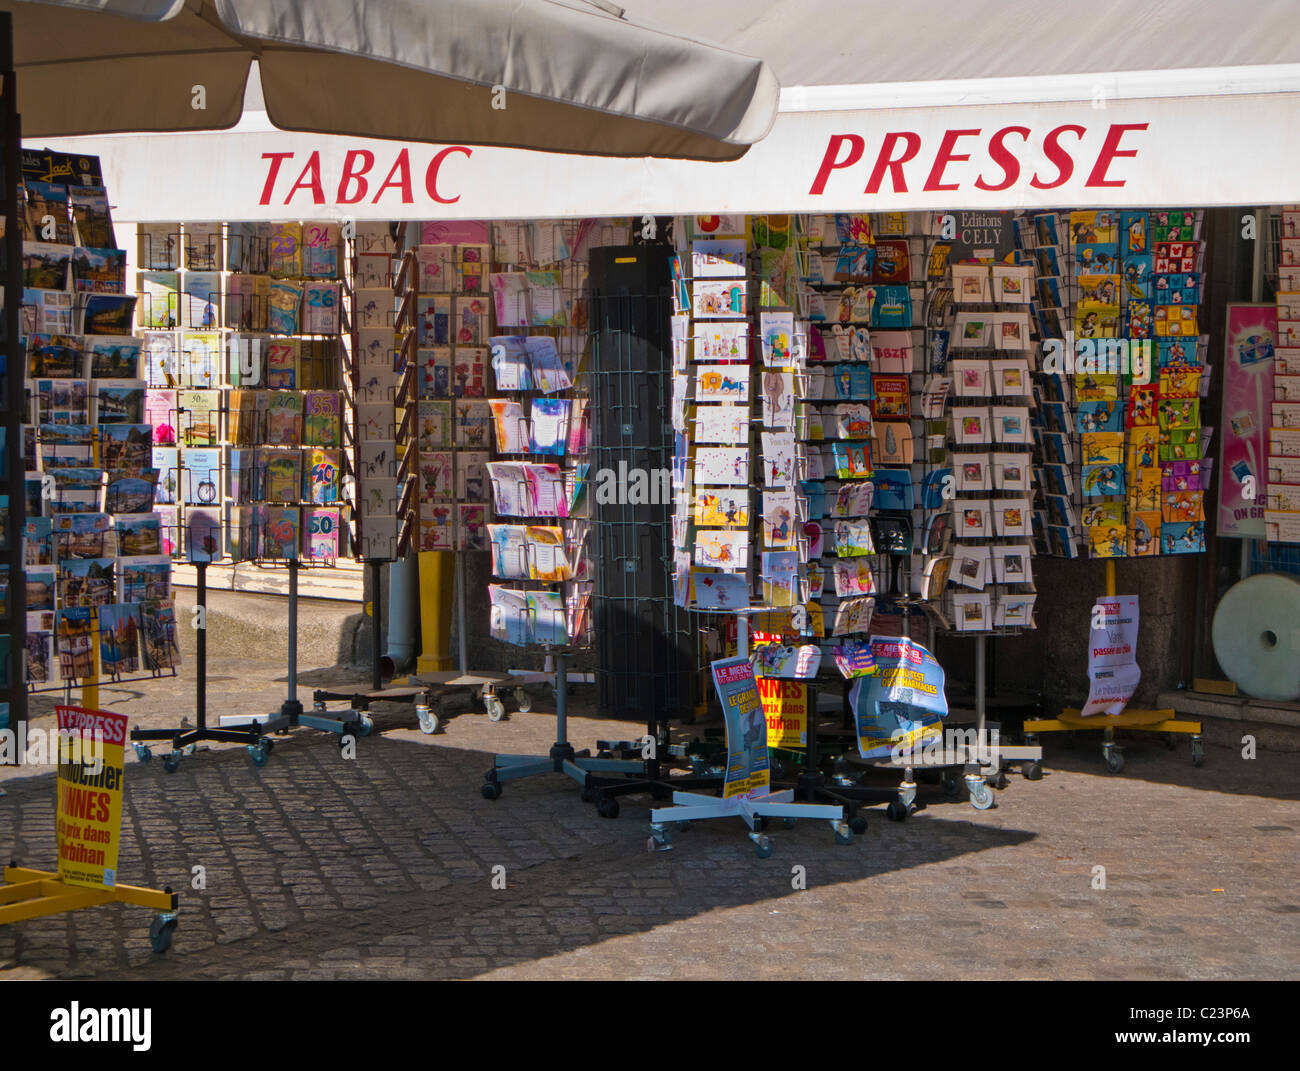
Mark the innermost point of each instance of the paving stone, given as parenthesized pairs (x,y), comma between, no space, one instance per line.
(379,867)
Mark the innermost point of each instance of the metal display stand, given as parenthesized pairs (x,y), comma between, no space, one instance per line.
(578,766)
(815,783)
(291,715)
(754,811)
(185,739)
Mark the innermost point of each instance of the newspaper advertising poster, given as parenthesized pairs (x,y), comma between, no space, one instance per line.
(785,704)
(89,816)
(742,711)
(1243,437)
(903,705)
(1113,672)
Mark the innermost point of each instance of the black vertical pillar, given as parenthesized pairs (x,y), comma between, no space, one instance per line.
(637,631)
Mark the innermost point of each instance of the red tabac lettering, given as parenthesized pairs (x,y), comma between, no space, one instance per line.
(832,162)
(1004,158)
(886,159)
(309,180)
(276,158)
(402,166)
(1109,150)
(1061,159)
(352,174)
(944,157)
(431,175)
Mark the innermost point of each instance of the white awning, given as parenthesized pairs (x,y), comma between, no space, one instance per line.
(990,104)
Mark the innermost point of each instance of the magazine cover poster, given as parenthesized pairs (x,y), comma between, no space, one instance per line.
(903,704)
(742,711)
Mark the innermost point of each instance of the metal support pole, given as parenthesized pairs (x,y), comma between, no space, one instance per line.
(376,627)
(201,645)
(292,709)
(561,700)
(293,629)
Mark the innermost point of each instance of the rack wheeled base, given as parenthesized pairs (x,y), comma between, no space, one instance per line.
(562,757)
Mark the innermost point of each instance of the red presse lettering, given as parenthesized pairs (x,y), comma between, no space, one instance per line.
(885,159)
(831,161)
(1004,158)
(944,157)
(1061,159)
(1109,150)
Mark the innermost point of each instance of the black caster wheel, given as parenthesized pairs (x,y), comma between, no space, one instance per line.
(490,791)
(1114,762)
(1032,771)
(764,848)
(160,932)
(607,807)
(998,780)
(950,784)
(858,823)
(171,762)
(897,811)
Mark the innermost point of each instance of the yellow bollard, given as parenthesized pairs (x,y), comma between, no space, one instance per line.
(437,587)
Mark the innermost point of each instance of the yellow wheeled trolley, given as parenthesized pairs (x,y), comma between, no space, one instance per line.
(1163,721)
(33,894)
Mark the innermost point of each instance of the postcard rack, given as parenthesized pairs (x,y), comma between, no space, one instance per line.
(13,694)
(92,577)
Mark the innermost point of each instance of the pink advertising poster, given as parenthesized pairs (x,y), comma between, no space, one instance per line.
(455,232)
(1247,393)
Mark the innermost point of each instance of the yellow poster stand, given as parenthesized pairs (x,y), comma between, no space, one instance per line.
(1153,721)
(31,894)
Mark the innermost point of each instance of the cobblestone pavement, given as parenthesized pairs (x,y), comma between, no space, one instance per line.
(382,867)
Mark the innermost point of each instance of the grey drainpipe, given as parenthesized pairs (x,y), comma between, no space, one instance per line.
(403,615)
